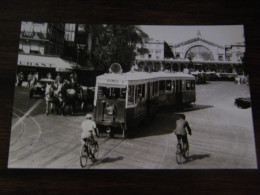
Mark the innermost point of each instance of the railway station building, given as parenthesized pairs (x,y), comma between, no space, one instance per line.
(196,54)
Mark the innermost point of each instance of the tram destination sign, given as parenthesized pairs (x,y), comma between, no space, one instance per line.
(113,81)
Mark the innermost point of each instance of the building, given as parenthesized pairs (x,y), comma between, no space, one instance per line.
(155,48)
(70,31)
(41,49)
(235,52)
(41,38)
(197,54)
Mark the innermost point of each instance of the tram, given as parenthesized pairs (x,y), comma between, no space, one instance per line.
(123,100)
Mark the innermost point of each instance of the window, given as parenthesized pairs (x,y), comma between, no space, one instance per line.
(140,93)
(173,85)
(192,85)
(152,88)
(162,86)
(188,85)
(111,93)
(143,91)
(131,94)
(168,86)
(156,85)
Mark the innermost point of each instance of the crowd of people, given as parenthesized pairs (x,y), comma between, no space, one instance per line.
(31,78)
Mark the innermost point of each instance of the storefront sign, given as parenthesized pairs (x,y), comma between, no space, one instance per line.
(36,64)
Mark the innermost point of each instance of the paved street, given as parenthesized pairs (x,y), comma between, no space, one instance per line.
(222,136)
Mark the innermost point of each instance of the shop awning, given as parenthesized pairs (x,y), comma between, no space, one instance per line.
(61,65)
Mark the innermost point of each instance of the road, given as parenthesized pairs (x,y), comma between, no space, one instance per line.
(223,136)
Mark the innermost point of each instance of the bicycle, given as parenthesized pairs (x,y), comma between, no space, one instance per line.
(182,151)
(89,151)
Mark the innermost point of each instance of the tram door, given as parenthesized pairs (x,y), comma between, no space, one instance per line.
(178,91)
(148,101)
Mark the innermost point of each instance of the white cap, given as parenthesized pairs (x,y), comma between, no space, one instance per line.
(89,116)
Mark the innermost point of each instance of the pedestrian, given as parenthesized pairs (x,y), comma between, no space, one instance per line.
(20,79)
(36,76)
(182,126)
(29,79)
(75,77)
(49,76)
(58,79)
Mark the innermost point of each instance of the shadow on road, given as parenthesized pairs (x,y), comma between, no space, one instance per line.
(196,157)
(163,122)
(111,160)
(186,108)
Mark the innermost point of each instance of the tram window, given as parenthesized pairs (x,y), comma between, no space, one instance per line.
(139,93)
(155,86)
(162,86)
(131,94)
(122,93)
(111,93)
(168,86)
(143,91)
(103,92)
(192,85)
(188,85)
(152,88)
(173,85)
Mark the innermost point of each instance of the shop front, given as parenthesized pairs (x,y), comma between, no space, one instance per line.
(44,66)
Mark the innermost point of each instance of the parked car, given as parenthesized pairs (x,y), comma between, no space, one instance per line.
(39,87)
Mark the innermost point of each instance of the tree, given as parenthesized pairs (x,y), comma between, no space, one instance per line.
(114,43)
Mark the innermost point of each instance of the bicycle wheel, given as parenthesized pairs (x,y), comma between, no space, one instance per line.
(95,150)
(178,154)
(83,157)
(186,151)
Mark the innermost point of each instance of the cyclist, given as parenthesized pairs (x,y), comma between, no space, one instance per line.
(88,126)
(182,126)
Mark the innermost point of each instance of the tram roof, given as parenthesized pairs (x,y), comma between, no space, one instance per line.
(141,76)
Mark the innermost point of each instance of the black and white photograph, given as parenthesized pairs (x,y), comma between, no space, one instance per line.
(110,96)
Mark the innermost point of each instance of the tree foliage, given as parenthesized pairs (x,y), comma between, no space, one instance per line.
(114,43)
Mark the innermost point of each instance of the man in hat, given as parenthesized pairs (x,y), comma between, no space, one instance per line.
(88,126)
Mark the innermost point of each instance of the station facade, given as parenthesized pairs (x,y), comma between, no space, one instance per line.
(196,54)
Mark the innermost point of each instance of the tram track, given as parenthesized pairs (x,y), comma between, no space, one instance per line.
(21,134)
(27,147)
(165,152)
(99,161)
(68,151)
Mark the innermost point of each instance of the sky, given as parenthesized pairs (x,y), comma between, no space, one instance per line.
(222,35)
